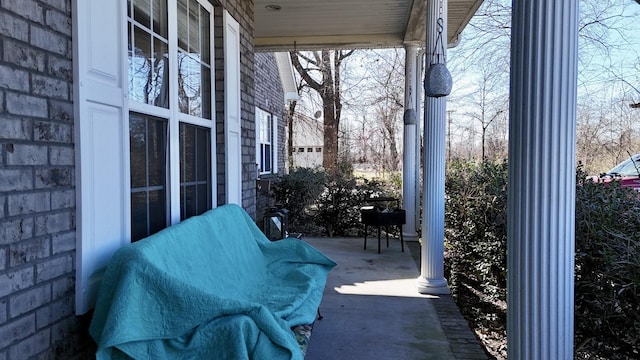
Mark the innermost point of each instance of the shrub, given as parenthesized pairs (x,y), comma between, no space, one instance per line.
(321,202)
(476,231)
(607,279)
(297,192)
(339,205)
(607,263)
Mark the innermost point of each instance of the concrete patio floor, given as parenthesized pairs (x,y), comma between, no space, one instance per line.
(372,309)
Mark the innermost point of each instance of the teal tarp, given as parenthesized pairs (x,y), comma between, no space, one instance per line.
(210,287)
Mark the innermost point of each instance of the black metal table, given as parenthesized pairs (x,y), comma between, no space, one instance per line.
(373,215)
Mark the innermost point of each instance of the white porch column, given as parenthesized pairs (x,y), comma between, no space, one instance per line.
(431,280)
(409,144)
(540,235)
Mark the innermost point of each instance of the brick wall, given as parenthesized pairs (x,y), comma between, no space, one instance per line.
(37,193)
(269,96)
(37,196)
(242,11)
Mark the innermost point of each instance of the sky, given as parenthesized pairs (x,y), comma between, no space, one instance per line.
(609,66)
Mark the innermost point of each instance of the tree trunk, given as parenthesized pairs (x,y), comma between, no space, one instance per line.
(329,90)
(290,114)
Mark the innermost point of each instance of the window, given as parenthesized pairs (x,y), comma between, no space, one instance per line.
(145,136)
(318,149)
(300,149)
(170,102)
(309,149)
(266,142)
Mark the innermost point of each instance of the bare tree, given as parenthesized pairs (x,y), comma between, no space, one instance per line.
(382,100)
(321,71)
(489,100)
(605,55)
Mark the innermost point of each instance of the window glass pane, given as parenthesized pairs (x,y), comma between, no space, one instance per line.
(204,198)
(183,27)
(263,128)
(148,75)
(189,205)
(139,65)
(148,156)
(157,211)
(148,69)
(205,29)
(156,151)
(195,169)
(203,168)
(139,216)
(194,27)
(160,22)
(160,77)
(187,149)
(267,158)
(142,12)
(138,149)
(189,85)
(205,91)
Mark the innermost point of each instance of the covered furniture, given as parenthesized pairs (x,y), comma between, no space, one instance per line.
(379,213)
(210,287)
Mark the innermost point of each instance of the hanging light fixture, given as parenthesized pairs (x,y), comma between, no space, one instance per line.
(437,79)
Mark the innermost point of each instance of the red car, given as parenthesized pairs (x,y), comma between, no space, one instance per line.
(627,172)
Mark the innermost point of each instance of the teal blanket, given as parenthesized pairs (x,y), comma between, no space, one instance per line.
(211,287)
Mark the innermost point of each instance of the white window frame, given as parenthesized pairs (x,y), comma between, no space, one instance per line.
(273,140)
(101,115)
(175,117)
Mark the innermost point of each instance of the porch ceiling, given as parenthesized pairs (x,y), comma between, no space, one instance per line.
(314,24)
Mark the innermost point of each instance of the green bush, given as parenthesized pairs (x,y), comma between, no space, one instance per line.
(298,191)
(607,279)
(325,203)
(476,232)
(339,205)
(607,263)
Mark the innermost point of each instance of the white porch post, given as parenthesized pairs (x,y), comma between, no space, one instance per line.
(420,68)
(540,245)
(431,280)
(409,144)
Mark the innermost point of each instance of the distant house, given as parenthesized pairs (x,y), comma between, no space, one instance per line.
(117,119)
(308,141)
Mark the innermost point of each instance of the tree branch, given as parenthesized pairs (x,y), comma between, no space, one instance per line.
(295,60)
